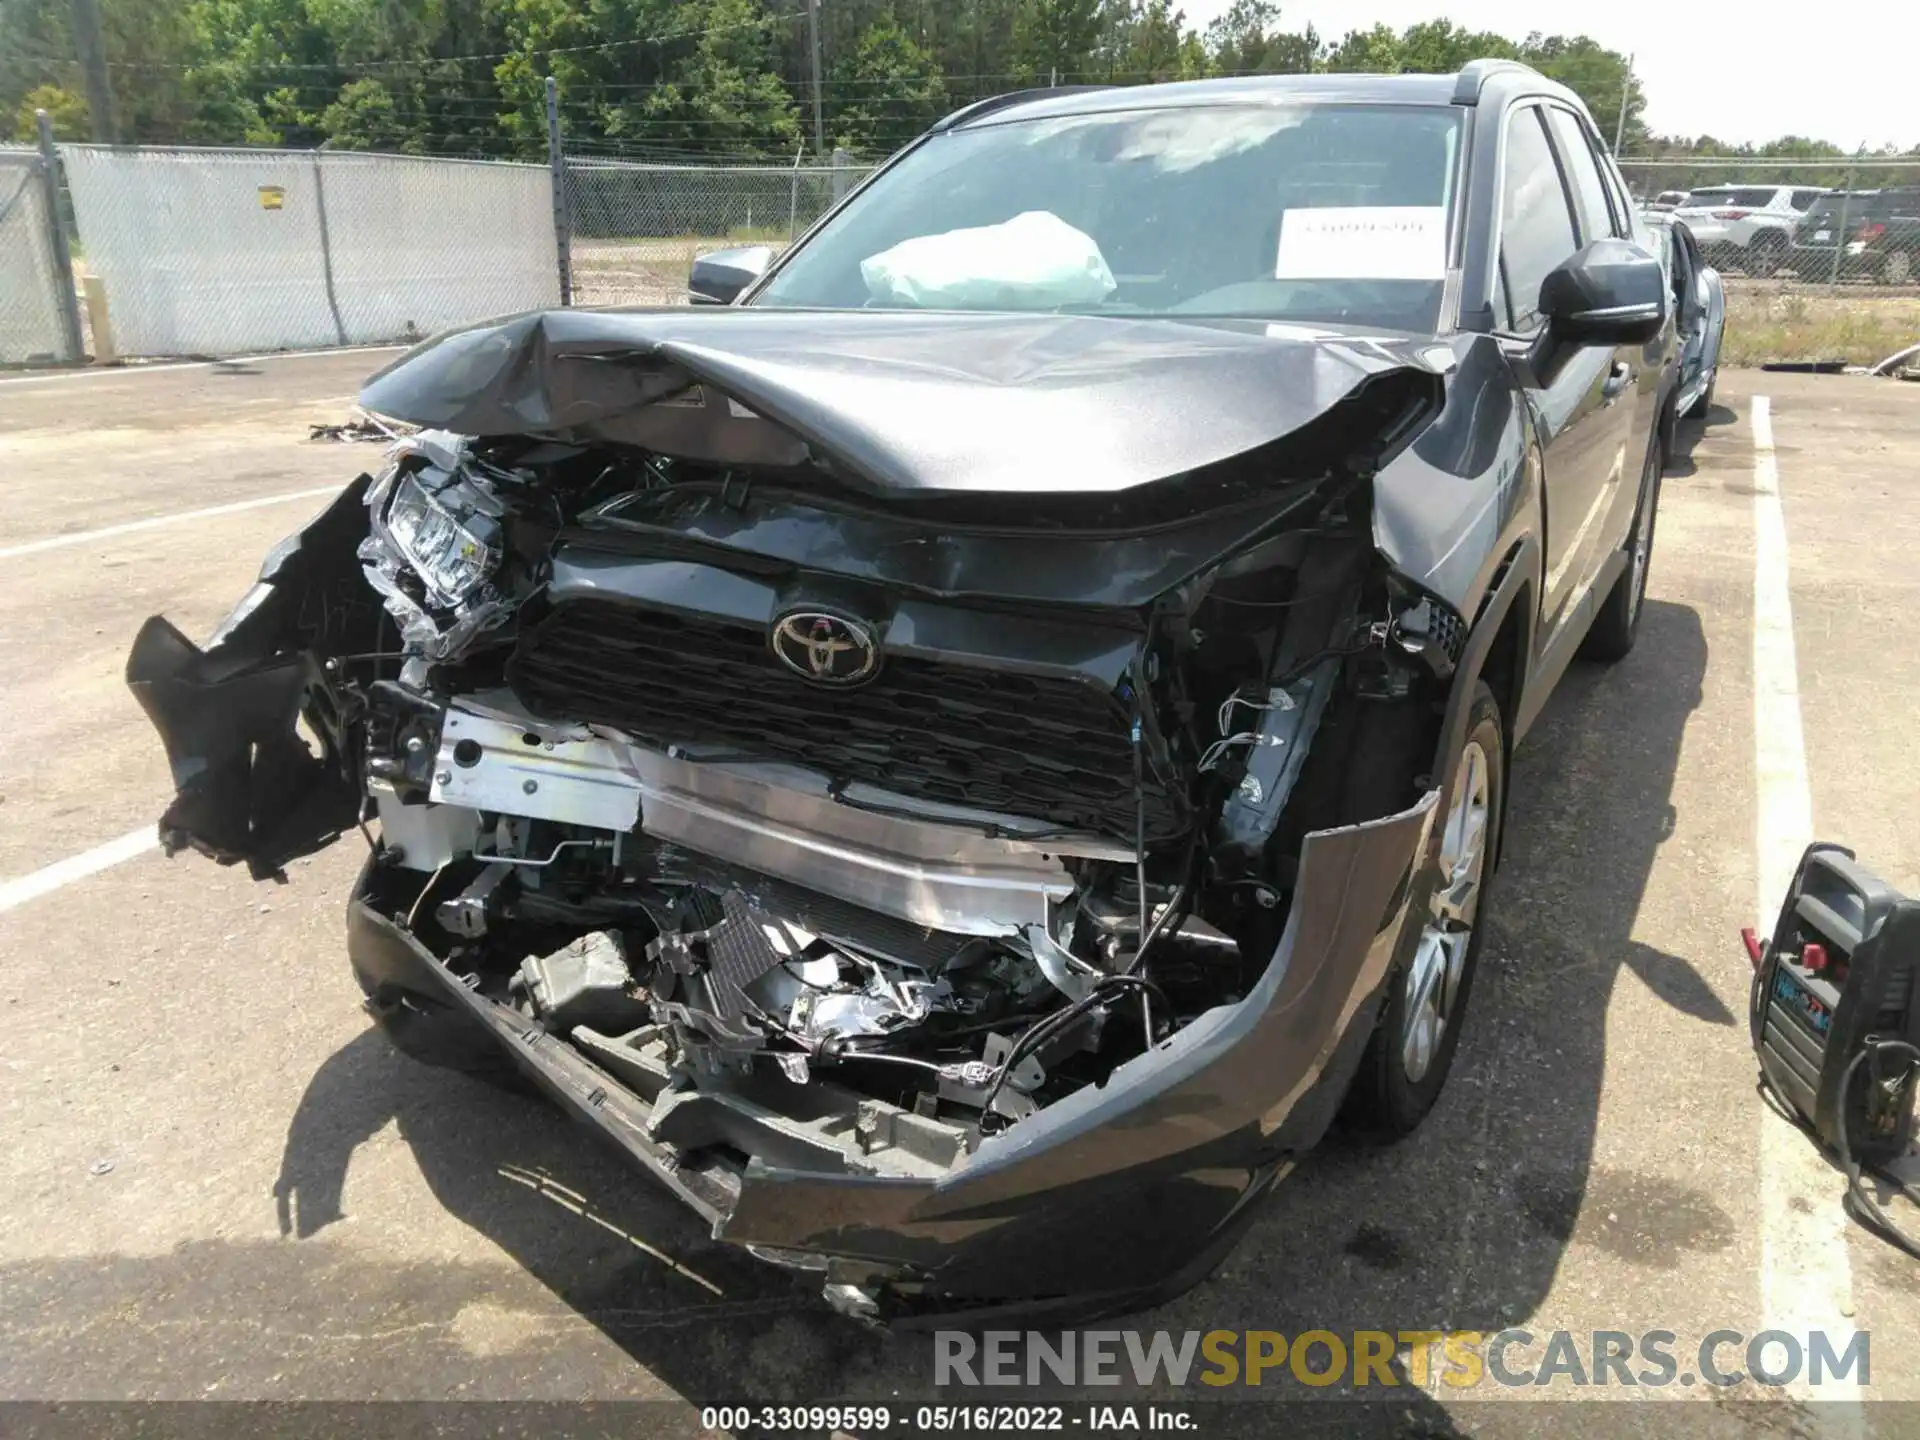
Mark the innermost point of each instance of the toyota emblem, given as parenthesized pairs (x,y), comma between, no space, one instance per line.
(827,649)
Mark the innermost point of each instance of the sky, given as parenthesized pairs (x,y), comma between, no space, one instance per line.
(1847,71)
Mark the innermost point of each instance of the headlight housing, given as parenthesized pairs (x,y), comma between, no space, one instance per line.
(442,527)
(436,538)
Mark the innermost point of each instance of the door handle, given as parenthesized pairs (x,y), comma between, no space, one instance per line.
(1617,381)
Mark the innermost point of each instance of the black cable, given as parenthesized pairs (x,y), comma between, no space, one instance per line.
(1217,598)
(1139,827)
(1293,673)
(1047,1026)
(1866,1211)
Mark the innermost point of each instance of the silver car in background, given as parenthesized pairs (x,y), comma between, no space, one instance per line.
(1746,227)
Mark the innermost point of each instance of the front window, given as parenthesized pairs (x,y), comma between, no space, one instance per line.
(1289,212)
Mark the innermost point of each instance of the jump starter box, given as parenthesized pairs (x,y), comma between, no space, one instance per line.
(1837,978)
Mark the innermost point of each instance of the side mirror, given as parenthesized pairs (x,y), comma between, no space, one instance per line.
(1612,292)
(718,279)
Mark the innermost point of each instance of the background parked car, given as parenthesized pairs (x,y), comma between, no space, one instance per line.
(1700,313)
(1668,200)
(1748,227)
(1875,235)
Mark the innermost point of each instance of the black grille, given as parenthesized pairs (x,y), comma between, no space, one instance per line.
(1049,748)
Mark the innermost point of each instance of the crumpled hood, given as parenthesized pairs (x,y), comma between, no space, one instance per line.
(914,403)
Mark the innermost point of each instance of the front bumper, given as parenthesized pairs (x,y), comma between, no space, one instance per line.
(1107,1201)
(248,787)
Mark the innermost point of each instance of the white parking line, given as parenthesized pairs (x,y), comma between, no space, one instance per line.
(15,893)
(163,366)
(154,522)
(1806,1283)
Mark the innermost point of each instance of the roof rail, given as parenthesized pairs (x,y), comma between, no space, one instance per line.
(1012,97)
(1475,73)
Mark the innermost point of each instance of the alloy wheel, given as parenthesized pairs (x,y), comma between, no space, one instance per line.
(1440,958)
(1899,268)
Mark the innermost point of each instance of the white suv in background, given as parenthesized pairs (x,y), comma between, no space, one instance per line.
(1746,226)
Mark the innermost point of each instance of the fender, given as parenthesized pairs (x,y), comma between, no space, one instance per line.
(1518,574)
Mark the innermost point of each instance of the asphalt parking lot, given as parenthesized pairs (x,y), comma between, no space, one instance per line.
(218,1182)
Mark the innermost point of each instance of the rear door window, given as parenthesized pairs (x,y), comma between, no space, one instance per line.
(1801,199)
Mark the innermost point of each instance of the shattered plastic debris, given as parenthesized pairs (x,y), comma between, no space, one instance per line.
(362,427)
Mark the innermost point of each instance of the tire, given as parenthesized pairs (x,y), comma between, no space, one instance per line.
(1900,268)
(1410,1053)
(1766,253)
(1618,623)
(1703,403)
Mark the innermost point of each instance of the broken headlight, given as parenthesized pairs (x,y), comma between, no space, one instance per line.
(437,539)
(446,529)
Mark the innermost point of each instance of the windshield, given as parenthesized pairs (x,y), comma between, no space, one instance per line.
(1295,212)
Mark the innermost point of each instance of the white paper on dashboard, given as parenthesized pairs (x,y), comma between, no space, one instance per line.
(1363,242)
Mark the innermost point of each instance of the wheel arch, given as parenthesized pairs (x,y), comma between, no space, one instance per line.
(1499,650)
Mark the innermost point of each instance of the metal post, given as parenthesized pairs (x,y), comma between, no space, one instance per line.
(326,246)
(67,302)
(813,44)
(101,118)
(793,195)
(1626,89)
(557,163)
(842,171)
(1840,225)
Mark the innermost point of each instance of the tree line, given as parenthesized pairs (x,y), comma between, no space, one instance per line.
(700,79)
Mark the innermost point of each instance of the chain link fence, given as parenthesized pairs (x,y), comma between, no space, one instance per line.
(38,323)
(1844,222)
(1821,260)
(227,252)
(636,228)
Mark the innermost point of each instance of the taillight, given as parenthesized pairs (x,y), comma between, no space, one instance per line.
(1730,214)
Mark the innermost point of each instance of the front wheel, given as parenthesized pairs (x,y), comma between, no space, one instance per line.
(1411,1052)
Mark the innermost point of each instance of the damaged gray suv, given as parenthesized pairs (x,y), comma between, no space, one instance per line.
(1006,721)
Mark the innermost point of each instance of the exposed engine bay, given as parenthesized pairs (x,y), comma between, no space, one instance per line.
(845,825)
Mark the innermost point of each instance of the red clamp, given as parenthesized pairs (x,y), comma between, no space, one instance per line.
(1752,942)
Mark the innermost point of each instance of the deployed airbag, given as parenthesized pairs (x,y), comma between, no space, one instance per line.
(1036,258)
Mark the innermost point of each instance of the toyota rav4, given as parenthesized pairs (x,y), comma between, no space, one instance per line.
(961,762)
